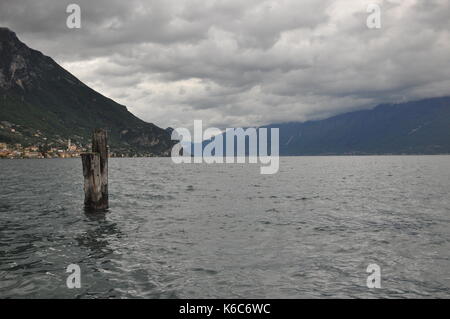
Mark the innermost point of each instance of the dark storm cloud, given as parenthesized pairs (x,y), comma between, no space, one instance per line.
(244,62)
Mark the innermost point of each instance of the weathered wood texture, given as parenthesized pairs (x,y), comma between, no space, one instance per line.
(100,146)
(95,172)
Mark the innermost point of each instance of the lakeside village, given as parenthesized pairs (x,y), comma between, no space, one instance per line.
(21,142)
(17,151)
(37,146)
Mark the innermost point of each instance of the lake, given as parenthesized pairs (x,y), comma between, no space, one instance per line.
(225,231)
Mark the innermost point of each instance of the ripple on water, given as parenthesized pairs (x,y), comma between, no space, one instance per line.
(213,231)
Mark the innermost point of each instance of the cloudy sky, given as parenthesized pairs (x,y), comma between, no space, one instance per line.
(244,62)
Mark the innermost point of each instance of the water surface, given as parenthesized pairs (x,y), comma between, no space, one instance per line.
(205,231)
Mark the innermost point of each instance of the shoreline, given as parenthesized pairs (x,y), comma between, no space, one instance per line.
(284,156)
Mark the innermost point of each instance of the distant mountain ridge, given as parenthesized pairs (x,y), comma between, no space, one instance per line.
(43,100)
(418,127)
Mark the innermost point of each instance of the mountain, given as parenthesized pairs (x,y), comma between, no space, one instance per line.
(419,127)
(40,102)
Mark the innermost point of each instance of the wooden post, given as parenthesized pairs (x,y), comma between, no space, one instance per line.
(95,172)
(100,146)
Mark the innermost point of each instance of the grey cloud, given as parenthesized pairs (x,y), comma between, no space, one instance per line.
(242,63)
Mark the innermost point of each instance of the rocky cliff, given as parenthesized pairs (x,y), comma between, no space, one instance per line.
(41,103)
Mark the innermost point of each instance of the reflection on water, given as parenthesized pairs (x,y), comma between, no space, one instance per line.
(226,231)
(95,238)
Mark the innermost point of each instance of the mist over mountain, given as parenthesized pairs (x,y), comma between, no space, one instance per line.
(41,103)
